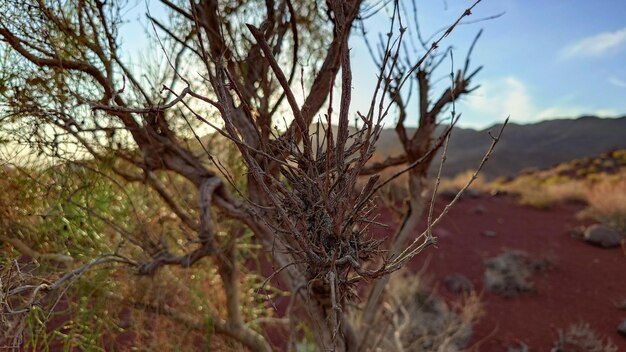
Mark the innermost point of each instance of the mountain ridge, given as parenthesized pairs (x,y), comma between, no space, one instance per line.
(537,145)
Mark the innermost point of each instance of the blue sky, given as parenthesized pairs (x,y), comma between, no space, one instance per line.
(542,59)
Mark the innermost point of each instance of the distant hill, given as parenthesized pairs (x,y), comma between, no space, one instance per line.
(532,146)
(538,146)
(609,163)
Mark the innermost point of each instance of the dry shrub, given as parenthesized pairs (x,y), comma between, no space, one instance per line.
(12,276)
(572,191)
(456,183)
(580,338)
(509,273)
(542,193)
(418,320)
(198,296)
(607,201)
(394,197)
(604,193)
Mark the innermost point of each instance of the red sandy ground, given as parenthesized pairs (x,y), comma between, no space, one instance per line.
(583,284)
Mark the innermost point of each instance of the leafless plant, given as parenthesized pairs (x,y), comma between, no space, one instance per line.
(71,94)
(421,321)
(580,337)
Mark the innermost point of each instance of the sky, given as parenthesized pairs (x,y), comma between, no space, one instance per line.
(541,59)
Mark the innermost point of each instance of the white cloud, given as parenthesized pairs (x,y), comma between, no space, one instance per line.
(499,98)
(617,82)
(508,96)
(594,45)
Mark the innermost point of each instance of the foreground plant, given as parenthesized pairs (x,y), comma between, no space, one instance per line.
(69,94)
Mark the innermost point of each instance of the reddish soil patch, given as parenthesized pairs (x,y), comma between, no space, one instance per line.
(583,283)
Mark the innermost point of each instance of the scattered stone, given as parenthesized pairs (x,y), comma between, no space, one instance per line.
(478,210)
(451,194)
(542,264)
(489,233)
(602,236)
(472,193)
(621,329)
(448,195)
(458,283)
(577,232)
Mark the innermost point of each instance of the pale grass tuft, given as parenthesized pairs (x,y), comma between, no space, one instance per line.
(418,320)
(607,201)
(542,194)
(459,181)
(580,337)
(604,194)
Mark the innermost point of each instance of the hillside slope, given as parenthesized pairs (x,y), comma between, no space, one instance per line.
(538,145)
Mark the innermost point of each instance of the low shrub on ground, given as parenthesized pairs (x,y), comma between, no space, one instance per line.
(509,273)
(607,201)
(580,338)
(419,320)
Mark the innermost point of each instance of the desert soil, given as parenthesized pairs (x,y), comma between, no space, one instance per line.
(583,284)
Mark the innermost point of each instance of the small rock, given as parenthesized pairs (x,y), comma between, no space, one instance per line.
(577,232)
(621,329)
(602,236)
(448,195)
(472,193)
(457,283)
(478,210)
(489,233)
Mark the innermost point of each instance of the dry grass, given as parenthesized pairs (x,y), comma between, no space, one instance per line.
(418,320)
(607,201)
(545,193)
(107,308)
(580,338)
(456,183)
(605,194)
